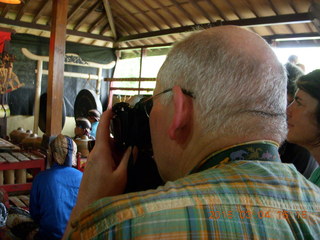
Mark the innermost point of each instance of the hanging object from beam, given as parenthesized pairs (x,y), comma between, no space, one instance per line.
(10,1)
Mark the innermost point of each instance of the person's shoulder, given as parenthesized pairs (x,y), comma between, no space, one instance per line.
(41,175)
(72,170)
(76,171)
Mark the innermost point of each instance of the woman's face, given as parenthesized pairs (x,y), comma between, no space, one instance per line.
(302,123)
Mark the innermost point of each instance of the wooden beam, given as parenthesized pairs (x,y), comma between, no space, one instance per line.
(250,22)
(133,16)
(5,10)
(127,23)
(39,14)
(188,15)
(233,8)
(202,11)
(156,12)
(250,7)
(47,28)
(2,29)
(144,13)
(110,17)
(75,9)
(167,9)
(56,67)
(21,10)
(291,36)
(89,35)
(86,14)
(221,14)
(105,29)
(97,23)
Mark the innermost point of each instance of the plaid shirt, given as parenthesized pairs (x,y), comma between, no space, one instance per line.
(228,196)
(315,177)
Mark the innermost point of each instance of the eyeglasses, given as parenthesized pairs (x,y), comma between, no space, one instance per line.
(148,103)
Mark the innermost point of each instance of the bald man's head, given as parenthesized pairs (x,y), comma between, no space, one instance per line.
(235,76)
(242,41)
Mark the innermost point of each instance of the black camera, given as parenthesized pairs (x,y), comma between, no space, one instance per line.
(130,125)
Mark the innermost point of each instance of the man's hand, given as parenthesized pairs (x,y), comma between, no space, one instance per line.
(102,177)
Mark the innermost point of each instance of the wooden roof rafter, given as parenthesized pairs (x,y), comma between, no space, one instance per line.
(41,10)
(108,10)
(5,10)
(86,14)
(22,9)
(143,25)
(234,9)
(272,6)
(75,9)
(138,9)
(170,13)
(123,29)
(180,7)
(275,10)
(249,5)
(105,29)
(202,11)
(162,40)
(97,23)
(296,11)
(157,14)
(301,17)
(220,13)
(127,23)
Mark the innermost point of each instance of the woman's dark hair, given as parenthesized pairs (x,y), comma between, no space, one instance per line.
(310,83)
(293,73)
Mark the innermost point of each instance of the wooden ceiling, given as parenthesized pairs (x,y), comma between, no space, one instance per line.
(137,23)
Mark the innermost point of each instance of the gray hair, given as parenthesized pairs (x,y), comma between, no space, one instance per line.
(236,93)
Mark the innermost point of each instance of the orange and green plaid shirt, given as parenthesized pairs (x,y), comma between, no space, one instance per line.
(243,192)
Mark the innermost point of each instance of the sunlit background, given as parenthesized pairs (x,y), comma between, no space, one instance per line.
(129,66)
(308,56)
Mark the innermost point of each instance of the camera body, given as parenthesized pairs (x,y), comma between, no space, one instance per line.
(130,125)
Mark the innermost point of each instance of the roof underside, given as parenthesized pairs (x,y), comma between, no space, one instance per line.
(138,23)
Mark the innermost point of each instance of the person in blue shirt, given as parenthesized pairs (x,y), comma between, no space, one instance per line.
(94,118)
(54,191)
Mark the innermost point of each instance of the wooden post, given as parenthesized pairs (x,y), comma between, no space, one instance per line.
(37,96)
(98,82)
(56,67)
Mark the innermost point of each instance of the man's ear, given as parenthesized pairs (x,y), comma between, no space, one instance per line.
(182,118)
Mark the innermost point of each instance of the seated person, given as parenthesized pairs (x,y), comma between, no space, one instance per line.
(83,129)
(54,191)
(94,118)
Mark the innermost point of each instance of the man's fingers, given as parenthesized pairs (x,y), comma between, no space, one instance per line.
(103,132)
(135,154)
(124,161)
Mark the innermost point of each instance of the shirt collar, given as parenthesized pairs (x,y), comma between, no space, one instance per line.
(263,150)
